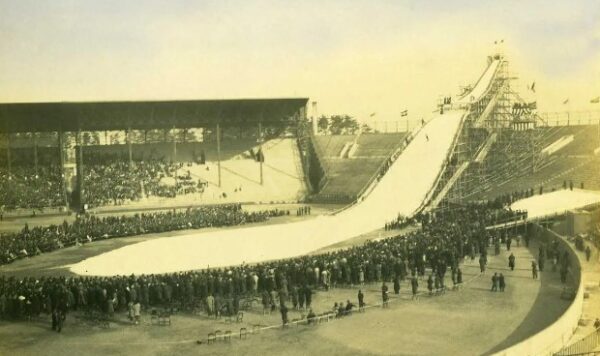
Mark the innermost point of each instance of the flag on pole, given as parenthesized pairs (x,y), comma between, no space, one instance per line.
(532,87)
(404,113)
(566,101)
(372,114)
(595,100)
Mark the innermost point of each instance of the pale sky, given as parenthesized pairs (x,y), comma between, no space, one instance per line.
(352,57)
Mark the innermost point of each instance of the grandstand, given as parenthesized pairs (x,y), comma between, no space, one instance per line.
(346,177)
(192,183)
(248,152)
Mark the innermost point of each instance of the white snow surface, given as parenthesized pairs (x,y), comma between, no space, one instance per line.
(557,202)
(482,84)
(401,190)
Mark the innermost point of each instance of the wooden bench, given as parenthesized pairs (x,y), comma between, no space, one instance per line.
(160,317)
(243,333)
(211,338)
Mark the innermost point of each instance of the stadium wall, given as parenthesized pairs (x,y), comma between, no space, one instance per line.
(556,336)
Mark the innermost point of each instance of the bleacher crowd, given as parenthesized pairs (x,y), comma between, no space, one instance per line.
(87,228)
(445,238)
(110,179)
(24,188)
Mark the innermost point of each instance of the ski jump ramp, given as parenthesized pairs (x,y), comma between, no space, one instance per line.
(402,190)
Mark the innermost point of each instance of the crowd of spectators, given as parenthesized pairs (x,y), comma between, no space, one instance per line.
(399,222)
(87,228)
(24,188)
(497,213)
(507,199)
(445,238)
(111,179)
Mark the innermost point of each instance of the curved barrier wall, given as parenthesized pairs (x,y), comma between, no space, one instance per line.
(554,337)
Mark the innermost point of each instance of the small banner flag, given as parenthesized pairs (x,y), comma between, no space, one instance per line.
(404,113)
(596,100)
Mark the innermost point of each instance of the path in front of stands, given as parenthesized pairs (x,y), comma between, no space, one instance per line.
(591,304)
(470,321)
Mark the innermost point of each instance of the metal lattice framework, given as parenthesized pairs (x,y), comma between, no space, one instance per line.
(492,129)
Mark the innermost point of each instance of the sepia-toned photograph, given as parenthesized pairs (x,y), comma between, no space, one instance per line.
(262,177)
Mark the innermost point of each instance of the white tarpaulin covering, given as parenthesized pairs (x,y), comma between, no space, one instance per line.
(400,191)
(557,202)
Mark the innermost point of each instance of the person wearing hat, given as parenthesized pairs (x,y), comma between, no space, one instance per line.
(511,262)
(534,270)
(501,282)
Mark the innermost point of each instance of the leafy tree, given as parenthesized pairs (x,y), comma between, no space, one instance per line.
(338,125)
(323,124)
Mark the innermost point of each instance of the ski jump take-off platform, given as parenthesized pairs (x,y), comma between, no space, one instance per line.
(405,189)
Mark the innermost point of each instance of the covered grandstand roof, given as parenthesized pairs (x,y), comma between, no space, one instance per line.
(145,115)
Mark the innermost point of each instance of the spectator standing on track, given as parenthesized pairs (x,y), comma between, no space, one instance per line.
(588,253)
(415,286)
(482,264)
(361,300)
(384,295)
(501,282)
(534,270)
(396,285)
(511,262)
(459,279)
(284,314)
(308,296)
(495,282)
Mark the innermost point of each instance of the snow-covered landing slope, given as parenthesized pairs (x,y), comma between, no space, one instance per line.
(401,190)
